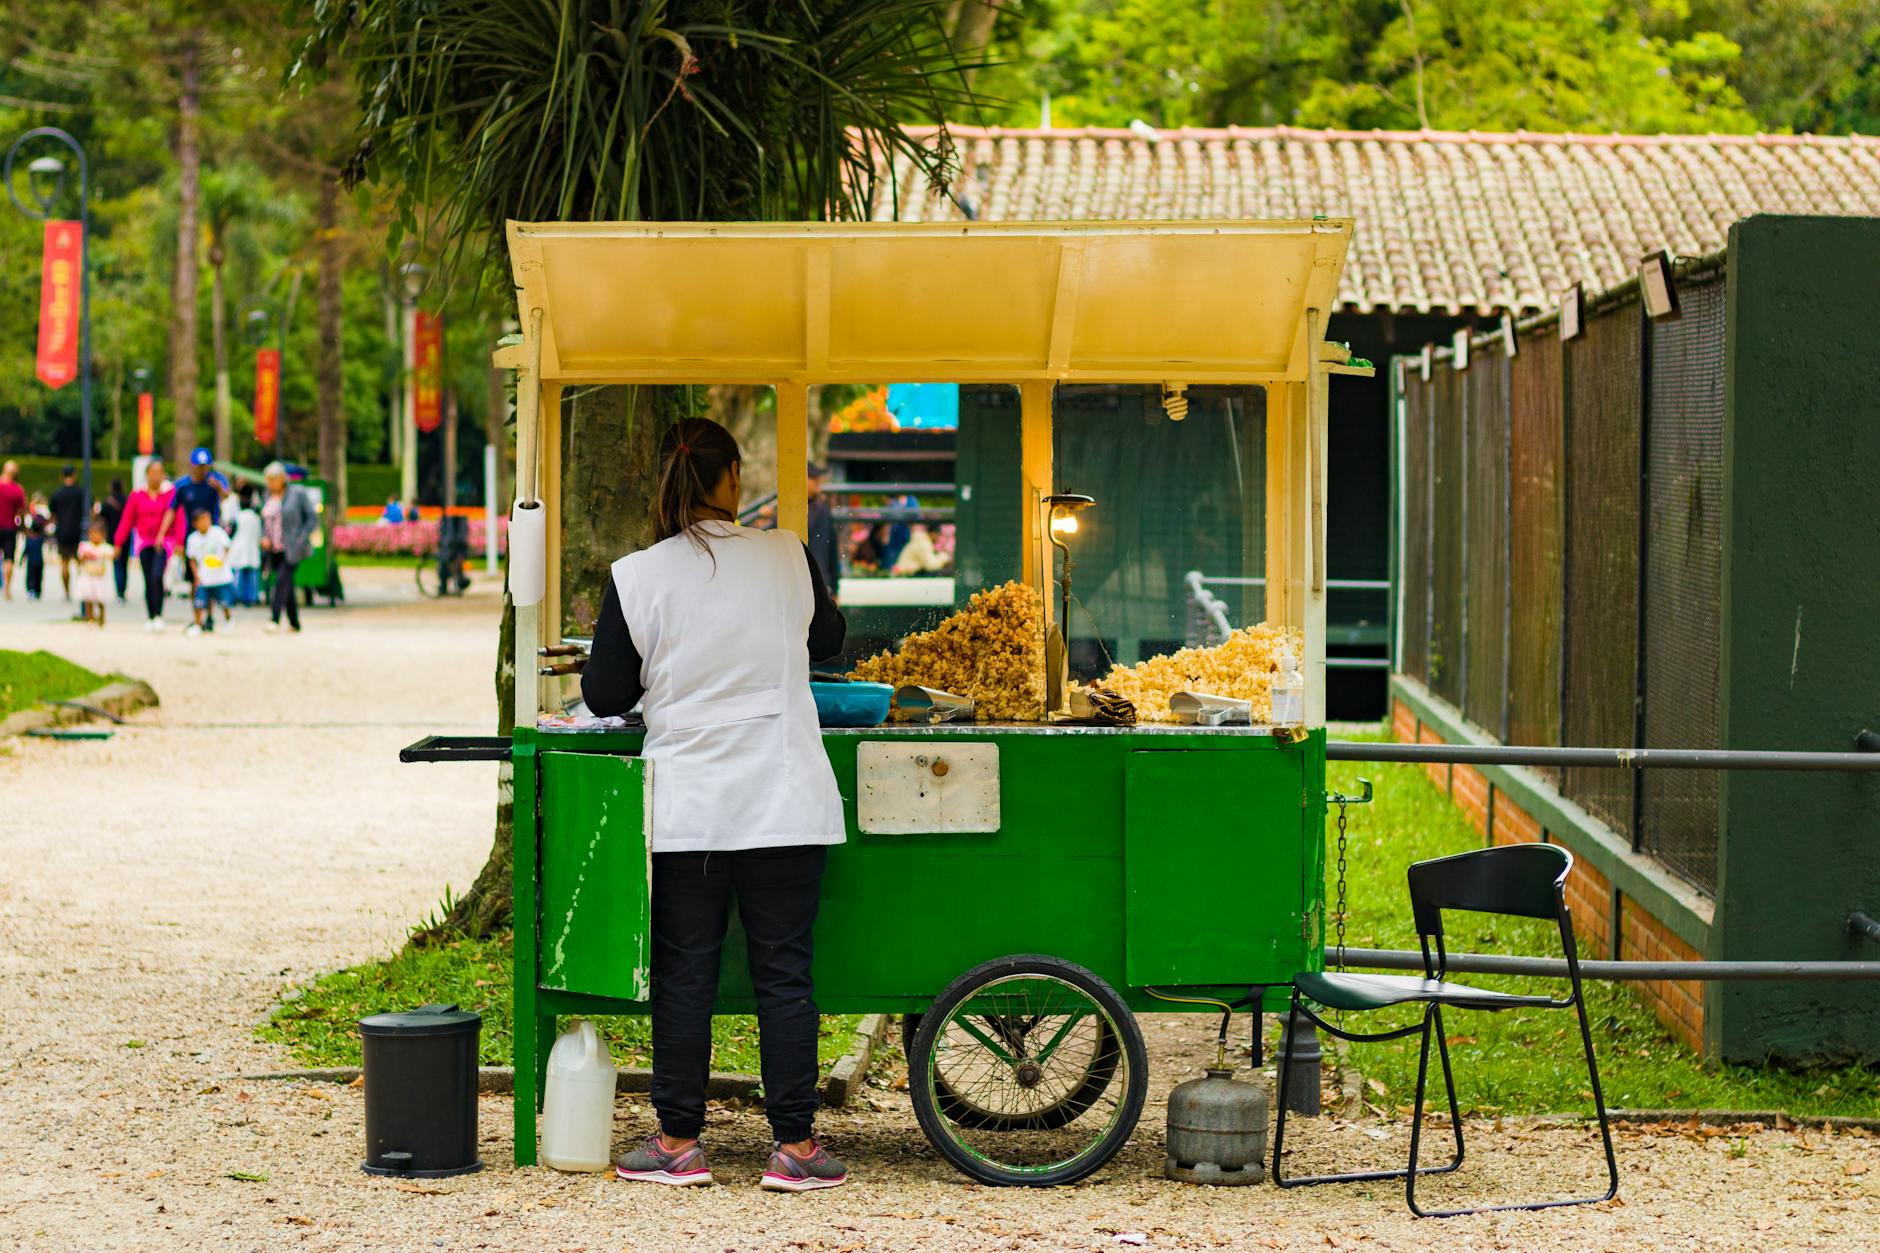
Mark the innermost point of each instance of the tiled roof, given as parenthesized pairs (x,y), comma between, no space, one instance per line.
(1446,221)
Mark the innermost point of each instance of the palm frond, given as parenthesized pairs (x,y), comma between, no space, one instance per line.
(477,111)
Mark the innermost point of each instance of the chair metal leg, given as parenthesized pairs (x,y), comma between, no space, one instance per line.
(1360,1176)
(1599,1104)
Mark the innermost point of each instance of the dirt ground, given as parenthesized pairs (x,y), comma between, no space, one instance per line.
(158,890)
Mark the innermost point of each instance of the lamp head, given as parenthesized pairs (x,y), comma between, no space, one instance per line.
(1063,509)
(45,165)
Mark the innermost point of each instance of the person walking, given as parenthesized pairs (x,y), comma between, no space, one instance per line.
(199,491)
(207,553)
(287,523)
(822,529)
(68,523)
(109,511)
(38,528)
(96,556)
(244,555)
(12,517)
(711,630)
(146,525)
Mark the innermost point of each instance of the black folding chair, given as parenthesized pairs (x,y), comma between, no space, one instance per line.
(1521,880)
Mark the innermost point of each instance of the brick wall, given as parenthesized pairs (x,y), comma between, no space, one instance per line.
(1679,1006)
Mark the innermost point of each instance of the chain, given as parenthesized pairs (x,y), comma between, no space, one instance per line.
(1344,841)
(1344,845)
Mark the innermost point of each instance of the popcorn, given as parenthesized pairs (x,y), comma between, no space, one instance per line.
(1242,667)
(992,650)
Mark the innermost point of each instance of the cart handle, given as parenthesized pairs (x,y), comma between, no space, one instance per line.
(457,748)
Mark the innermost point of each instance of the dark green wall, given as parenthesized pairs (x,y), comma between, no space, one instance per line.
(1801,629)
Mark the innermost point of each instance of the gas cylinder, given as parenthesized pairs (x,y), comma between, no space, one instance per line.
(578,1106)
(1216,1130)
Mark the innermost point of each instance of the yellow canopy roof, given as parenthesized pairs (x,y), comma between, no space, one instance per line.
(926,302)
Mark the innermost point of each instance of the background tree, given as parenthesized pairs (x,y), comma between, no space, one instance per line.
(475,112)
(236,199)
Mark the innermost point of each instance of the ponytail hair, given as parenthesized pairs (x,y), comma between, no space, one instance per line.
(694,455)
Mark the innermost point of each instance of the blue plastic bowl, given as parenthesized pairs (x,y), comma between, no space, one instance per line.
(851,704)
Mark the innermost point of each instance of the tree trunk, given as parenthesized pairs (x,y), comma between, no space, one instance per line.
(606,499)
(117,407)
(450,448)
(218,347)
(287,431)
(183,290)
(394,366)
(330,363)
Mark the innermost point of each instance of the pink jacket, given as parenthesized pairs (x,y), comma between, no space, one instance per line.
(143,516)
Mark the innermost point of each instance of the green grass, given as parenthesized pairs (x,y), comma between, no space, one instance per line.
(319,1024)
(1518,1062)
(29,679)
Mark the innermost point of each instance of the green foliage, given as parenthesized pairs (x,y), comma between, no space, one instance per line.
(29,679)
(1549,65)
(632,109)
(319,1023)
(1515,1062)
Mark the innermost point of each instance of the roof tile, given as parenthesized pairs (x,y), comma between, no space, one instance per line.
(1444,220)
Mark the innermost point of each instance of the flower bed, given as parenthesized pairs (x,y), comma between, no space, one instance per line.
(409,539)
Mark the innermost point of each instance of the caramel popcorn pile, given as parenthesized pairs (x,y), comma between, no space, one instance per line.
(1242,667)
(992,651)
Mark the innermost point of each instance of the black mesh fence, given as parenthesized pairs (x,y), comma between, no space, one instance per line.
(1485,524)
(1535,574)
(1445,663)
(1683,578)
(1415,574)
(1602,557)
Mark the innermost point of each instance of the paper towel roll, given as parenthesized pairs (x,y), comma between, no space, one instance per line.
(528,553)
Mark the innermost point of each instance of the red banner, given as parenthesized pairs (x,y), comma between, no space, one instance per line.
(146,424)
(427,368)
(267,394)
(58,302)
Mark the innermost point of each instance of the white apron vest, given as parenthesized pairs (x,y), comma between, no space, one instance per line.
(731,727)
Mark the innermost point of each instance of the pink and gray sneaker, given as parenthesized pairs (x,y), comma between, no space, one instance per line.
(653,1162)
(789,1173)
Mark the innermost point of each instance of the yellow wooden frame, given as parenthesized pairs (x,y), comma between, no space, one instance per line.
(791,305)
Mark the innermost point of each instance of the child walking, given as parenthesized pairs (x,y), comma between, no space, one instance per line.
(244,554)
(38,527)
(207,551)
(96,556)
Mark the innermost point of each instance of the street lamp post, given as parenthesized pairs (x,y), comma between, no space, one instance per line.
(413,273)
(44,199)
(257,311)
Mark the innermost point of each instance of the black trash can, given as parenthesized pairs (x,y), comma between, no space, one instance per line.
(421,1092)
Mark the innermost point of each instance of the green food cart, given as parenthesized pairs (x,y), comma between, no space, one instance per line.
(1024,889)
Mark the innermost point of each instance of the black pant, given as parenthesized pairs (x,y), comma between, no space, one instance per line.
(150,561)
(282,594)
(778,890)
(121,569)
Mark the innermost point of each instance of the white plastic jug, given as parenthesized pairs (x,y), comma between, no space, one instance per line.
(578,1107)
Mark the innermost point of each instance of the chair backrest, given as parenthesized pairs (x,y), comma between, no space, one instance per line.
(1524,880)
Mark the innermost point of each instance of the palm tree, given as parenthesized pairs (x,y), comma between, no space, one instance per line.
(477,111)
(235,198)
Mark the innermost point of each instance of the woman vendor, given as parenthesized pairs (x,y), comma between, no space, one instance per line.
(712,630)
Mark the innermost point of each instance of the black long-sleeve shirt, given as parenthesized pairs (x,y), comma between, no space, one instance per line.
(610,682)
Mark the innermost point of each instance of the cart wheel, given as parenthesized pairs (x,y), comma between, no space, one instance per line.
(962,1109)
(1028,1070)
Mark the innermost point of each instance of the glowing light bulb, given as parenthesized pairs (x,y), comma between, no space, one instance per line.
(1065,524)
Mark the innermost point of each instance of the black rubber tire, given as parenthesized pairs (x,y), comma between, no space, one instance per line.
(934,1109)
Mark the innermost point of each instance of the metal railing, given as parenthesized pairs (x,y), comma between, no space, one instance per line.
(1208,622)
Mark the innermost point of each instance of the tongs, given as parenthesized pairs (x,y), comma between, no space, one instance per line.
(578,652)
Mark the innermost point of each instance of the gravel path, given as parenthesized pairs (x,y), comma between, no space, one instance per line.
(160,889)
